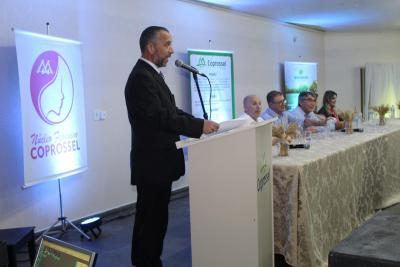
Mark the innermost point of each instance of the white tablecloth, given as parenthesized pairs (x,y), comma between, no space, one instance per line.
(323,193)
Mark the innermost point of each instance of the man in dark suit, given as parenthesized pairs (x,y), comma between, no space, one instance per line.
(156,124)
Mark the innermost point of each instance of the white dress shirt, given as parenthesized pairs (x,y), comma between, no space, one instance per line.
(249,119)
(282,119)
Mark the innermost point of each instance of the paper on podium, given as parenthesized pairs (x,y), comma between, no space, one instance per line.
(230,125)
(224,129)
(227,126)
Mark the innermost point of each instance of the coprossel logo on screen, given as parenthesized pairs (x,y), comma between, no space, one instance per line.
(201,62)
(52,87)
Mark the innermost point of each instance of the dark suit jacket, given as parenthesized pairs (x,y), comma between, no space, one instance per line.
(156,124)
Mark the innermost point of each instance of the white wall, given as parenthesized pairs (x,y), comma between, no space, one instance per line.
(346,53)
(109,31)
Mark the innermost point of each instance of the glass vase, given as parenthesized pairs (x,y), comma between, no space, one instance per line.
(381,120)
(348,127)
(284,149)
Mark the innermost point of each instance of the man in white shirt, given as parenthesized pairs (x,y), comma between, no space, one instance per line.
(304,114)
(276,109)
(252,109)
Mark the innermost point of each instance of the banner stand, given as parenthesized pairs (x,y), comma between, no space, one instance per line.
(64,222)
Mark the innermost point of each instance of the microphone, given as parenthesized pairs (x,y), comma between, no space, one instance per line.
(179,63)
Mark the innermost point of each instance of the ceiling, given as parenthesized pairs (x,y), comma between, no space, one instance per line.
(325,15)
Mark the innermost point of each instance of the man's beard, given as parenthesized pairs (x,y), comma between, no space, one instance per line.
(160,62)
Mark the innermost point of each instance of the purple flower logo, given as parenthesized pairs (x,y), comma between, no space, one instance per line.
(52,87)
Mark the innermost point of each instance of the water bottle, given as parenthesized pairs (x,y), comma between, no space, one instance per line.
(355,121)
(371,115)
(359,120)
(307,139)
(392,112)
(331,122)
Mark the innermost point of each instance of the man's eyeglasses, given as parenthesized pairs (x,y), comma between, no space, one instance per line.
(310,99)
(280,102)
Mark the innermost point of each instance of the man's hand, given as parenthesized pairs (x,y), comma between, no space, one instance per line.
(310,122)
(210,127)
(322,120)
(312,129)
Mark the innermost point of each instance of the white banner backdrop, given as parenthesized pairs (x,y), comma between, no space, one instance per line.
(52,107)
(299,77)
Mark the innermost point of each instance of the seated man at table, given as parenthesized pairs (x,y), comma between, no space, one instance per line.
(276,109)
(252,109)
(304,114)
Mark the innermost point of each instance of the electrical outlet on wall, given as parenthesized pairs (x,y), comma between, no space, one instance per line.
(96,115)
(99,115)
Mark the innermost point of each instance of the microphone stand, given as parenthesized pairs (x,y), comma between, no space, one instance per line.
(205,115)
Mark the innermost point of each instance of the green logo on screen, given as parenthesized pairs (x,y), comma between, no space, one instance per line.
(300,72)
(201,62)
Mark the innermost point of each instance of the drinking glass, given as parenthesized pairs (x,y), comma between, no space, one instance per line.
(307,139)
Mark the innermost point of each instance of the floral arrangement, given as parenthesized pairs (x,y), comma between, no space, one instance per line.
(347,116)
(285,137)
(381,110)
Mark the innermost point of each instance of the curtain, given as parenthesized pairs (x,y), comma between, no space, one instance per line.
(382,86)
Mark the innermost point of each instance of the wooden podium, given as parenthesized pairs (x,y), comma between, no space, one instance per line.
(231,200)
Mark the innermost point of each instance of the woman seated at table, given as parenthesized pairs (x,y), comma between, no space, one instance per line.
(328,109)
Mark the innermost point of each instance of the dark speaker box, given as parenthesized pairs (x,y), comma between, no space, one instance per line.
(376,243)
(3,254)
(344,260)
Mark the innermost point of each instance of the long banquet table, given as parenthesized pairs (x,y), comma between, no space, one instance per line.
(323,193)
